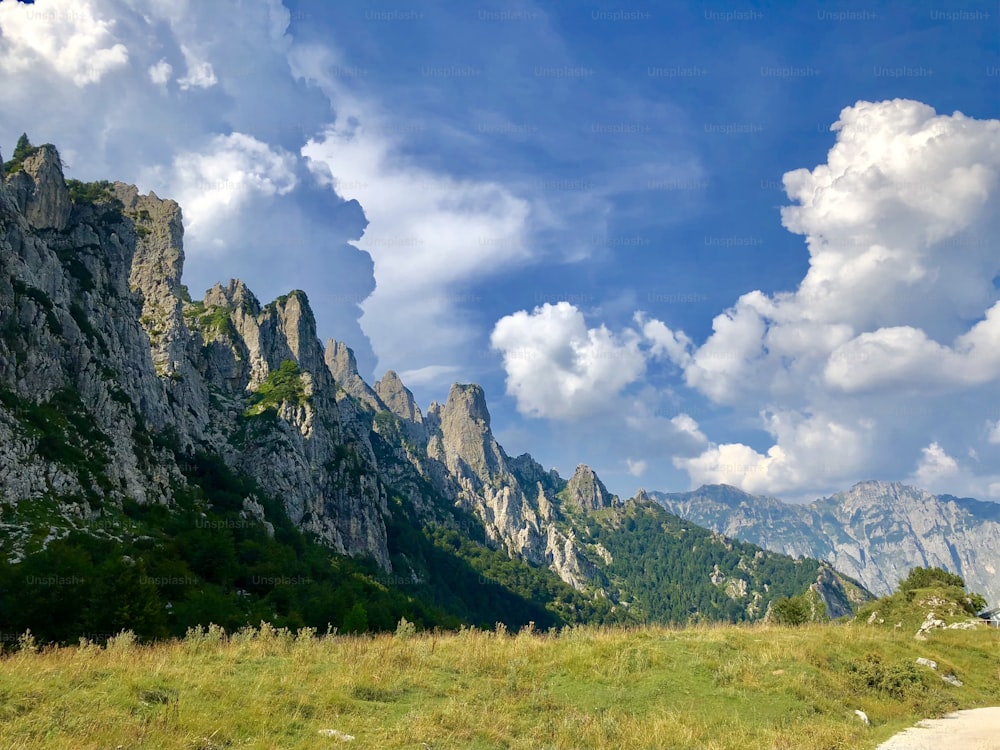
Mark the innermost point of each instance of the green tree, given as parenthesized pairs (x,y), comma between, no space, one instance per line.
(791,610)
(356,620)
(23,149)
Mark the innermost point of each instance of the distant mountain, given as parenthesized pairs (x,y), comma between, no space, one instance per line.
(167,462)
(875,532)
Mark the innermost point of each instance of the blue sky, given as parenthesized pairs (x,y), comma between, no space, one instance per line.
(574,203)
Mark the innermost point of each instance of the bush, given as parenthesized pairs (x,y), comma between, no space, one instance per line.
(791,610)
(922,578)
(284,384)
(405,629)
(871,675)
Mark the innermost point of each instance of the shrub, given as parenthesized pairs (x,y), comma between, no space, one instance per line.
(871,675)
(284,384)
(22,151)
(791,610)
(405,629)
(922,578)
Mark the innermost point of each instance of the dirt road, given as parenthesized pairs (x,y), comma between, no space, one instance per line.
(976,729)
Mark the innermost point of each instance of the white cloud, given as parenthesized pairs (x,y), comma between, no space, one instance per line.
(432,374)
(813,450)
(935,468)
(850,369)
(429,233)
(200,73)
(674,345)
(161,72)
(636,468)
(558,367)
(67,36)
(215,184)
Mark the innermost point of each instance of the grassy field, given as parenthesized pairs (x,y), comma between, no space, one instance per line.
(703,687)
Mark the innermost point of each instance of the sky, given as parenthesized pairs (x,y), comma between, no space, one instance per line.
(753,244)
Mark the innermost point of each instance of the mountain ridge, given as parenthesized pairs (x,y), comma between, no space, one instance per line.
(875,532)
(122,394)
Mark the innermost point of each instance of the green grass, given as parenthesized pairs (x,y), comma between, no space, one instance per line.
(704,687)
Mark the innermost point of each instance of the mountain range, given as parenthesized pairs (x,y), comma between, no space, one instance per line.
(875,532)
(166,461)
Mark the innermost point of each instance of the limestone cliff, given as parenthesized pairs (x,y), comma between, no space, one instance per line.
(587,492)
(93,313)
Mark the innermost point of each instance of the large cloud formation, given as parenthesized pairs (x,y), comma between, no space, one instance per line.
(884,360)
(557,367)
(63,38)
(877,353)
(277,162)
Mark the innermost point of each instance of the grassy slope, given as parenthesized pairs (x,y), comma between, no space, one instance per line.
(705,687)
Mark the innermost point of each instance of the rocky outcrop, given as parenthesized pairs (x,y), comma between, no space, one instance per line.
(40,191)
(876,532)
(95,314)
(587,492)
(398,398)
(341,363)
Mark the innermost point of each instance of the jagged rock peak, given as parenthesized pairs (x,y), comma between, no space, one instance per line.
(470,400)
(298,323)
(340,361)
(587,492)
(468,443)
(397,397)
(235,295)
(40,190)
(641,496)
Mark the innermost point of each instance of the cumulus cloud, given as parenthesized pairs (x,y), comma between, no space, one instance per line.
(636,468)
(67,37)
(673,345)
(429,233)
(215,183)
(898,304)
(558,367)
(935,468)
(161,72)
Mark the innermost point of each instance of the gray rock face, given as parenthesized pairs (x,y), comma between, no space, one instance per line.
(40,190)
(876,532)
(96,312)
(516,499)
(340,361)
(398,398)
(587,492)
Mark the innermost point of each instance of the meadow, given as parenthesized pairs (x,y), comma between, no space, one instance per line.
(712,686)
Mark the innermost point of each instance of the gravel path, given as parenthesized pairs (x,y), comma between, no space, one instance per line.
(977,729)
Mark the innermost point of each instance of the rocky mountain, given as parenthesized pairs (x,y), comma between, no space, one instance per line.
(211,438)
(875,532)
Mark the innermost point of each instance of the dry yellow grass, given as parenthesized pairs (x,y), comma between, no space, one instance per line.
(706,687)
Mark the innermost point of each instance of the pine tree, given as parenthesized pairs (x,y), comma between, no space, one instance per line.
(23,149)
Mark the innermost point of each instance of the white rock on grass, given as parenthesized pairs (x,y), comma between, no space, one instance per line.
(337,734)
